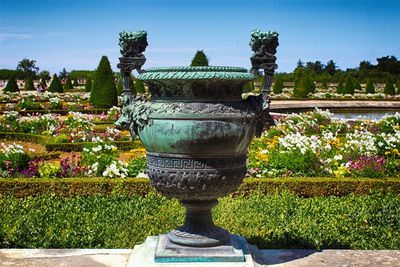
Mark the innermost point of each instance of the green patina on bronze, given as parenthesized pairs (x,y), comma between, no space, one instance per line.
(196,73)
(197,129)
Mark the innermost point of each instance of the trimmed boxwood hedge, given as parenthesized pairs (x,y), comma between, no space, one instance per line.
(29,137)
(280,220)
(62,111)
(68,147)
(304,187)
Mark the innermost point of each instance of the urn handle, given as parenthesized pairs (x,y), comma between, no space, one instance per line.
(264,46)
(132,45)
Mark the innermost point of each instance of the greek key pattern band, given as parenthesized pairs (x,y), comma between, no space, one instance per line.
(170,161)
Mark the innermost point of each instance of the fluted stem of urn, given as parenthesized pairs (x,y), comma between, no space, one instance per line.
(199,229)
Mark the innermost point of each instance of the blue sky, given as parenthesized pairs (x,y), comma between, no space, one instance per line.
(75,34)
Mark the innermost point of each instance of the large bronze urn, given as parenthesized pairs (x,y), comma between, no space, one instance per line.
(196,129)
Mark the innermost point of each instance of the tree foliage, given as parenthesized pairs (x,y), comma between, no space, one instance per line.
(389,87)
(349,86)
(68,84)
(28,68)
(11,85)
(104,93)
(63,74)
(88,85)
(340,88)
(29,84)
(278,85)
(199,59)
(369,88)
(56,86)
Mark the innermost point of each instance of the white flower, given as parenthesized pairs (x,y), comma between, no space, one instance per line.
(338,157)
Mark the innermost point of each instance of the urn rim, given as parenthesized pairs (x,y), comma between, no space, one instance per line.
(196,73)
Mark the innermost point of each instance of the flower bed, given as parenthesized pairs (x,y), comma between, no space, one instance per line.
(315,144)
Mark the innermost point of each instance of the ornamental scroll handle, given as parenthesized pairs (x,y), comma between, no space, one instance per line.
(264,46)
(132,45)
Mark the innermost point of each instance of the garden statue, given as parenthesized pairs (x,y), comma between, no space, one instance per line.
(132,44)
(197,129)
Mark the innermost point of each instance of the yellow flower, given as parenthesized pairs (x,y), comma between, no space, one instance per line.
(387,153)
(395,151)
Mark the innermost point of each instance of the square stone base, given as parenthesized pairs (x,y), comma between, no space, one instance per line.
(158,251)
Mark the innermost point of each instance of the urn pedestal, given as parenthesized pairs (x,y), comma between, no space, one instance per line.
(196,129)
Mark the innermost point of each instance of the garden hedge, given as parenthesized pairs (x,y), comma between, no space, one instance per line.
(304,187)
(69,147)
(35,138)
(62,111)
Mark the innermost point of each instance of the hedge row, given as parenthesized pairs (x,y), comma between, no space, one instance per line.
(280,220)
(62,111)
(69,147)
(304,187)
(28,137)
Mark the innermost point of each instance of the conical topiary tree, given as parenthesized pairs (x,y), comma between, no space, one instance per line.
(75,83)
(119,86)
(88,85)
(349,87)
(68,84)
(310,85)
(56,86)
(11,85)
(369,87)
(389,87)
(199,59)
(29,84)
(340,88)
(43,83)
(278,86)
(300,88)
(356,85)
(104,92)
(398,86)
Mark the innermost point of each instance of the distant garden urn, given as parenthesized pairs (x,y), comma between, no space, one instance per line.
(196,129)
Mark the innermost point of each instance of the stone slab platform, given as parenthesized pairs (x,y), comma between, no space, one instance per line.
(270,257)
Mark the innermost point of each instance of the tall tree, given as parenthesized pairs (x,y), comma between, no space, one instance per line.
(88,85)
(28,68)
(44,74)
(63,74)
(199,59)
(331,67)
(68,84)
(104,93)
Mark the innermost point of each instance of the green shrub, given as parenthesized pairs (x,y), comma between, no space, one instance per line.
(389,87)
(68,84)
(278,86)
(199,59)
(369,88)
(88,85)
(11,86)
(55,85)
(356,85)
(340,88)
(104,93)
(29,84)
(49,170)
(300,88)
(136,166)
(349,86)
(75,83)
(280,220)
